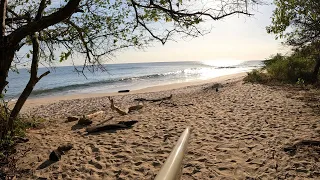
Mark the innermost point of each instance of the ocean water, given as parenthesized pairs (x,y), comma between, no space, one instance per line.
(133,76)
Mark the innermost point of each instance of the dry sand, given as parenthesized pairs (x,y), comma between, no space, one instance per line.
(237,133)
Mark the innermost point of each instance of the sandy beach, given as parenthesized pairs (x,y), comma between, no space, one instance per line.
(238,132)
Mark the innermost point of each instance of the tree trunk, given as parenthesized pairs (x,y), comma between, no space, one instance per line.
(6,57)
(20,102)
(32,81)
(315,73)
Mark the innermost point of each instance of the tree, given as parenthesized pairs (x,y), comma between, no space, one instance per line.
(94,29)
(298,22)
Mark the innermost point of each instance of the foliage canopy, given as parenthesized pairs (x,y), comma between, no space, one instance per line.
(97,28)
(298,21)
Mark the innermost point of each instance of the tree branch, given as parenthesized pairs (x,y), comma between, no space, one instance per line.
(181,17)
(42,6)
(43,75)
(35,57)
(18,18)
(44,22)
(3,12)
(172,12)
(143,24)
(12,12)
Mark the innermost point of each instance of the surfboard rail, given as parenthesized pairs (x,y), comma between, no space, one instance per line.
(172,168)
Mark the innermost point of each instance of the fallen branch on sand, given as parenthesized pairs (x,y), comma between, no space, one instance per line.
(154,100)
(111,127)
(113,107)
(84,121)
(135,108)
(124,112)
(293,149)
(55,155)
(94,114)
(89,116)
(172,104)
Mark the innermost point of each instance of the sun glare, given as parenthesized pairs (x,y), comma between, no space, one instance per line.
(221,62)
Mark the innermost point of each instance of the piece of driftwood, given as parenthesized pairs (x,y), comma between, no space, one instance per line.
(72,118)
(84,121)
(115,108)
(111,127)
(293,149)
(105,121)
(94,114)
(171,104)
(135,108)
(154,100)
(55,155)
(123,91)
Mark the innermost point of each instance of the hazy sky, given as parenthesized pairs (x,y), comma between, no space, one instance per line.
(235,38)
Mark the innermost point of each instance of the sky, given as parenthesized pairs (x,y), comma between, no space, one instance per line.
(234,38)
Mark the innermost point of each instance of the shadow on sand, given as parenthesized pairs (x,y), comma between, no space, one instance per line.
(77,126)
(45,164)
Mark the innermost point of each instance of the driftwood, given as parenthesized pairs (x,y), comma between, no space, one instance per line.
(89,116)
(55,155)
(154,100)
(105,121)
(135,108)
(115,108)
(123,91)
(293,149)
(124,112)
(171,104)
(94,114)
(72,118)
(84,121)
(111,127)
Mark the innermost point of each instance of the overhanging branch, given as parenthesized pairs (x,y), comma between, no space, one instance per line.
(44,22)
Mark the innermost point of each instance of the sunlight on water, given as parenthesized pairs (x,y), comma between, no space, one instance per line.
(131,76)
(222,62)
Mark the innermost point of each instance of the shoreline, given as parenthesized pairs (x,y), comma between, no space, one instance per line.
(34,102)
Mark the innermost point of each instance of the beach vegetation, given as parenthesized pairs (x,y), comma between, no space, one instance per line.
(297,22)
(256,75)
(296,68)
(9,139)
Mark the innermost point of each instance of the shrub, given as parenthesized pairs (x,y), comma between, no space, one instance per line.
(273,59)
(290,69)
(296,68)
(20,125)
(256,76)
